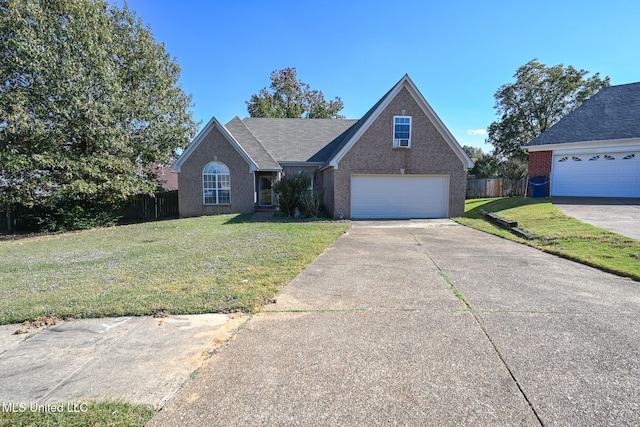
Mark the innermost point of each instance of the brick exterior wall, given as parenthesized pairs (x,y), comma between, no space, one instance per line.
(373,153)
(190,199)
(540,165)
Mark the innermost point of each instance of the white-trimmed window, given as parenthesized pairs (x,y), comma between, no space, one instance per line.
(401,132)
(216,184)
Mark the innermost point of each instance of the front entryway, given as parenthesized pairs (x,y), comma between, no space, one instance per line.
(265,191)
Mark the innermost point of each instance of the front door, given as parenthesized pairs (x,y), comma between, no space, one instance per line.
(265,190)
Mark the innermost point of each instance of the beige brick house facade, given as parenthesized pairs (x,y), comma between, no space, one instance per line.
(348,160)
(215,147)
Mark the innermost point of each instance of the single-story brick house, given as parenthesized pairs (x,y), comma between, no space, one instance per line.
(594,151)
(398,161)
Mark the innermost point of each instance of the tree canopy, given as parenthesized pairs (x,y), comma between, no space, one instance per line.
(484,164)
(88,99)
(539,97)
(288,97)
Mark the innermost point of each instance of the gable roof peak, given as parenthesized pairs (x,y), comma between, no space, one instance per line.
(201,136)
(363,124)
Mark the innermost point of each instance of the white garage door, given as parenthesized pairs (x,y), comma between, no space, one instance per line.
(596,175)
(399,196)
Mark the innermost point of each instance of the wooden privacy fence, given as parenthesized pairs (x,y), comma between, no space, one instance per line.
(150,208)
(495,187)
(8,222)
(139,209)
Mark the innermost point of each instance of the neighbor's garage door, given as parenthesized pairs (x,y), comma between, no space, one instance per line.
(596,175)
(399,196)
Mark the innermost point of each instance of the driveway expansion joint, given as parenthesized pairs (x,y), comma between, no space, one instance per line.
(506,365)
(476,317)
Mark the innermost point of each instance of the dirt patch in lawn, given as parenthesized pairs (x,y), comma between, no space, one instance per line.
(39,322)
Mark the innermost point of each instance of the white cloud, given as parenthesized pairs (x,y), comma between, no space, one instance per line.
(477,132)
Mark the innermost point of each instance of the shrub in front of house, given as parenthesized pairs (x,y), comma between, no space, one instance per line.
(311,203)
(294,195)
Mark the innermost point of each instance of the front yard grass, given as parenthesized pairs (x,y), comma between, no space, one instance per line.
(107,414)
(195,265)
(558,233)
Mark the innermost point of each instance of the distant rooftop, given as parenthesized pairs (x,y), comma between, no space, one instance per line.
(611,114)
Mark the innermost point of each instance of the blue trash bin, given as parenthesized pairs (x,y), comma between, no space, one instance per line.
(538,187)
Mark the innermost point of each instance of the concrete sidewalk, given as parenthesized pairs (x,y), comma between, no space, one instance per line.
(142,360)
(372,333)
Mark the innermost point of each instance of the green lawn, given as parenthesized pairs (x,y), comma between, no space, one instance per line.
(107,414)
(196,265)
(558,233)
(222,264)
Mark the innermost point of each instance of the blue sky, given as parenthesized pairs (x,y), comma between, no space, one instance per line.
(457,52)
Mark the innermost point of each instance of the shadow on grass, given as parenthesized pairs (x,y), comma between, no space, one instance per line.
(277,218)
(240,219)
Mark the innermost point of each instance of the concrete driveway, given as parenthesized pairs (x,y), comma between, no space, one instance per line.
(621,216)
(429,323)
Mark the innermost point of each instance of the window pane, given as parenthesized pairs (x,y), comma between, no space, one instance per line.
(402,128)
(208,181)
(216,183)
(402,131)
(223,196)
(223,181)
(216,168)
(209,197)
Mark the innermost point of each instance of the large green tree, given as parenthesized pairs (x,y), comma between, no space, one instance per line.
(484,164)
(88,99)
(288,97)
(539,97)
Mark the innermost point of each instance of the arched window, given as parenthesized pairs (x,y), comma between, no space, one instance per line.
(216,185)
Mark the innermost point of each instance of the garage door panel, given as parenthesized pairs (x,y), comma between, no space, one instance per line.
(399,196)
(596,175)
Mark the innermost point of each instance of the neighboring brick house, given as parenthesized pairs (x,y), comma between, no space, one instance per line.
(167,177)
(594,151)
(398,161)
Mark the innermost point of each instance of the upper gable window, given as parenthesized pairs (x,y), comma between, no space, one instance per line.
(401,132)
(216,184)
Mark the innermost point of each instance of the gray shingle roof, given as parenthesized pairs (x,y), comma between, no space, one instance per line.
(251,145)
(295,140)
(337,144)
(611,114)
(298,140)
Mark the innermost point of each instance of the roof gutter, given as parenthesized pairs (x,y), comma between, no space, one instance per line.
(610,143)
